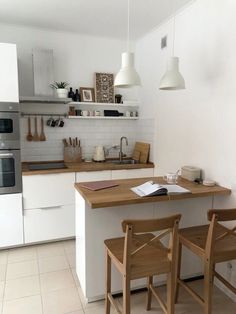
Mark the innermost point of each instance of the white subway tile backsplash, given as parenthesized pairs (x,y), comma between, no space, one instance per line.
(90,132)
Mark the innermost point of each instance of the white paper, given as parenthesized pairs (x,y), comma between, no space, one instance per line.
(147,188)
(173,188)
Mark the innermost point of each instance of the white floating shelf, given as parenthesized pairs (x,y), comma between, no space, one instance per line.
(102,104)
(44,99)
(103,118)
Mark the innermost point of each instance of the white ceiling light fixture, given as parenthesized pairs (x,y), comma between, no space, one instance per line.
(127,76)
(172,79)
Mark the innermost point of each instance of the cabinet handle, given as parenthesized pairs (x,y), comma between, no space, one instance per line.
(51,207)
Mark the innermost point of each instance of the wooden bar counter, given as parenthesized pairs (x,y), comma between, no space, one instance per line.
(99,215)
(122,195)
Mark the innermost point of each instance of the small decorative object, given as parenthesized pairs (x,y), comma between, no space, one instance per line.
(71,94)
(60,88)
(76,96)
(87,94)
(104,86)
(118,99)
(71,111)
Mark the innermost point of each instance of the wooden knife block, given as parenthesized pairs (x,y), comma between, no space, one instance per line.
(72,154)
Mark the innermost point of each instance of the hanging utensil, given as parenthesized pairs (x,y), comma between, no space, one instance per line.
(29,136)
(42,134)
(70,141)
(36,136)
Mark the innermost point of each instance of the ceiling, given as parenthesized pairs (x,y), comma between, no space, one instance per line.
(93,17)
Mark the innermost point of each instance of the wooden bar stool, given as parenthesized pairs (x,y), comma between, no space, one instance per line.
(214,243)
(141,254)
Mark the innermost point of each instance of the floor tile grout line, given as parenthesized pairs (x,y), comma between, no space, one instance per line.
(40,288)
(5,281)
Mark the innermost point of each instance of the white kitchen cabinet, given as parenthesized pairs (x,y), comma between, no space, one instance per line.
(93,176)
(48,190)
(11,220)
(49,223)
(9,91)
(49,207)
(132,173)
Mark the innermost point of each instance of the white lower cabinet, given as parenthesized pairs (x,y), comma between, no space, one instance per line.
(49,223)
(93,176)
(11,220)
(49,207)
(48,190)
(132,173)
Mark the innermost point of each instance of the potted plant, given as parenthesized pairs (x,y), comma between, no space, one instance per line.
(60,88)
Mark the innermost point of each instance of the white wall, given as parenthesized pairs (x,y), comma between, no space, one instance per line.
(76,58)
(196,126)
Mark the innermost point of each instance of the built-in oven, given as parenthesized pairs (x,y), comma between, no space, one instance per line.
(10,171)
(10,159)
(9,126)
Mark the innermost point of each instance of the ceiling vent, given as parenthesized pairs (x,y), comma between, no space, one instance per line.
(164,42)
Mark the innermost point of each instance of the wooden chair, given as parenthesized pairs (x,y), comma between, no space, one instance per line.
(214,243)
(141,254)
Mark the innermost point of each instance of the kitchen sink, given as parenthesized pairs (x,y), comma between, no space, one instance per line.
(124,162)
(47,166)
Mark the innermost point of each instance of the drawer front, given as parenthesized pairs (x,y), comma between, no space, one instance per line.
(93,176)
(48,190)
(44,224)
(134,173)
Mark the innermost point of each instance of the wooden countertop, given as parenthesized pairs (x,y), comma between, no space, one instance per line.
(83,166)
(122,195)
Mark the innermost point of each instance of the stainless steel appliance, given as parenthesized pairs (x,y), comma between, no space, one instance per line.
(9,126)
(10,161)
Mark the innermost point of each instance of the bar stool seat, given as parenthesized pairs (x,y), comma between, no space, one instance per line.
(195,238)
(144,263)
(141,254)
(213,243)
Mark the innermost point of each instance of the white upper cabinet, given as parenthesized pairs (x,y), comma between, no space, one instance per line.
(47,190)
(9,89)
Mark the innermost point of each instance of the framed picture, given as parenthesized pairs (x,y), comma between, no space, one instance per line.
(104,87)
(87,94)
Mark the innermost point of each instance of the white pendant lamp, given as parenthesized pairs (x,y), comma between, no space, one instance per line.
(127,76)
(172,79)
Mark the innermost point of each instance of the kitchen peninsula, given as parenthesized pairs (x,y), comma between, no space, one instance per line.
(99,215)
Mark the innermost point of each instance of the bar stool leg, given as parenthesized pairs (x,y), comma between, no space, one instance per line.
(171,287)
(178,271)
(126,295)
(149,294)
(208,287)
(108,283)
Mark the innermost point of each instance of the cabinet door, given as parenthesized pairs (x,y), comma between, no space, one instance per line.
(45,224)
(9,73)
(132,173)
(48,190)
(11,220)
(93,176)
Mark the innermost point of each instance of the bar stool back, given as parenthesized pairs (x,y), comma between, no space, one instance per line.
(214,243)
(142,254)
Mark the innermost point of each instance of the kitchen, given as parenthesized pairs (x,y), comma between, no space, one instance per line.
(182,128)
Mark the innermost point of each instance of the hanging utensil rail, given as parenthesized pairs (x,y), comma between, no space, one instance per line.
(25,114)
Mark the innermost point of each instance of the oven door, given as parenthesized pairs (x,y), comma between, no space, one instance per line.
(9,126)
(10,172)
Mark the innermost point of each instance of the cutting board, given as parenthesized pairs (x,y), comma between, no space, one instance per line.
(141,152)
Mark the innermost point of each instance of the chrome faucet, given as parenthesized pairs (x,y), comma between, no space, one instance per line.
(121,154)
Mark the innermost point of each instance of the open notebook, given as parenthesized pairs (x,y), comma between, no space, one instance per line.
(152,189)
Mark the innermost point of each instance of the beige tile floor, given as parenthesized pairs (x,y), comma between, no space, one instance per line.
(41,279)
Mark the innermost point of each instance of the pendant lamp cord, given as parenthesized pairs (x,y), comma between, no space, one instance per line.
(128,25)
(173,14)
